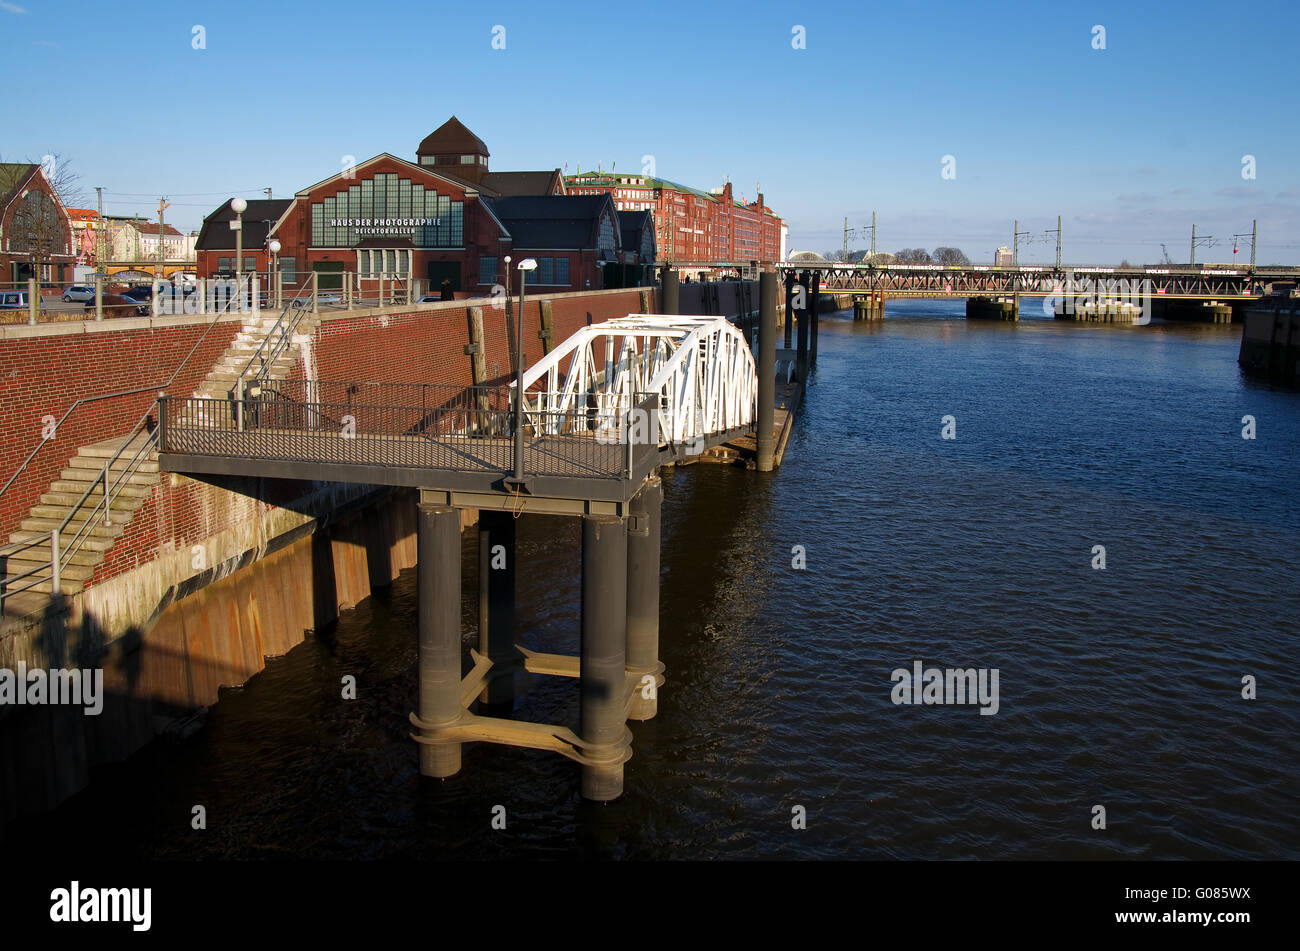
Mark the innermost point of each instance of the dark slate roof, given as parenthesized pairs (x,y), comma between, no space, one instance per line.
(551,221)
(451,136)
(12,176)
(511,184)
(216,234)
(633,225)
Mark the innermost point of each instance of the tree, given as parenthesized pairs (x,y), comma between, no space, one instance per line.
(951,257)
(913,256)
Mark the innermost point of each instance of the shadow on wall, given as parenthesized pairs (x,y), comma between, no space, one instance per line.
(166,671)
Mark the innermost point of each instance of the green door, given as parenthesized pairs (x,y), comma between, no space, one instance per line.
(330,275)
(443,270)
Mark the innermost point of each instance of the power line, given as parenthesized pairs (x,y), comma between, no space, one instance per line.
(233,191)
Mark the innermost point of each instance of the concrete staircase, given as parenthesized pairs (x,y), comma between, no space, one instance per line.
(221,380)
(86,469)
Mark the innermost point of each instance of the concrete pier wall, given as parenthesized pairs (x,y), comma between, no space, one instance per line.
(162,671)
(1270,341)
(987,308)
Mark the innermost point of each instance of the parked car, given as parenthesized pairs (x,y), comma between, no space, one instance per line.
(81,292)
(141,292)
(14,300)
(429,299)
(119,305)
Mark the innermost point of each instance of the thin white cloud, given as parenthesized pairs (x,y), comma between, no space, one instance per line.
(11,7)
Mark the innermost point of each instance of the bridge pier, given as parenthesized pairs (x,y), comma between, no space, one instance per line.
(602,678)
(788,325)
(869,308)
(814,296)
(643,600)
(438,547)
(764,441)
(802,333)
(990,308)
(671,292)
(496,608)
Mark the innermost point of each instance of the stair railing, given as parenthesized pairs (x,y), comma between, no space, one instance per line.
(61,554)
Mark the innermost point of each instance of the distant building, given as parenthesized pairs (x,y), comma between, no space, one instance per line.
(85,234)
(575,239)
(638,238)
(138,240)
(33,224)
(1003,258)
(693,227)
(444,217)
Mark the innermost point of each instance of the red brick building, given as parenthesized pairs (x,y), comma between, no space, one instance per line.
(34,227)
(444,217)
(693,227)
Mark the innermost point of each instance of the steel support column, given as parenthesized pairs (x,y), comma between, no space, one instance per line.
(602,681)
(766,370)
(496,608)
(788,323)
(671,292)
(438,546)
(643,599)
(814,293)
(802,355)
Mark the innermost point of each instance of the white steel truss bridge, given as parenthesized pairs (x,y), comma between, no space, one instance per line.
(700,369)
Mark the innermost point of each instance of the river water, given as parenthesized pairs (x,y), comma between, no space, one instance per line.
(1118,687)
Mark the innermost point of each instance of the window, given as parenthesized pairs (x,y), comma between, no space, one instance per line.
(546,271)
(363,263)
(288,268)
(561,270)
(250,264)
(467,160)
(224,266)
(487,270)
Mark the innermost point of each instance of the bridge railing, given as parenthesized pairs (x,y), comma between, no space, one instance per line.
(415,425)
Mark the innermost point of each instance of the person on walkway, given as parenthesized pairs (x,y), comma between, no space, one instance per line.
(447,292)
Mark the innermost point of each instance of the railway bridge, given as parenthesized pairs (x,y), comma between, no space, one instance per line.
(1176,287)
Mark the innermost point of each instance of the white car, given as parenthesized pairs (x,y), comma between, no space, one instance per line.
(79,292)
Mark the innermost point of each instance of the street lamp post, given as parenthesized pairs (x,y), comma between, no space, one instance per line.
(239,206)
(274,277)
(526,265)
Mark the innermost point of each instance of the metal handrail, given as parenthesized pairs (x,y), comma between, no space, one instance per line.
(59,556)
(281,332)
(109,396)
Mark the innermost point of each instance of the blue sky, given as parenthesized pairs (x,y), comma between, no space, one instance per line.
(1131,145)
